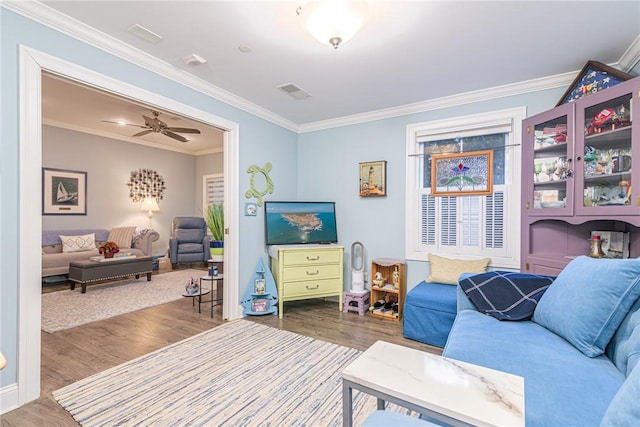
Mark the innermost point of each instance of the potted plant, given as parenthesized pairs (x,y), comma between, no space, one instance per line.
(214,217)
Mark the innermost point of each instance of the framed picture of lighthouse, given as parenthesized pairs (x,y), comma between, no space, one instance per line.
(64,192)
(373,179)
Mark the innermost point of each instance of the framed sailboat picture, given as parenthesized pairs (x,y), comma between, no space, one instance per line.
(64,192)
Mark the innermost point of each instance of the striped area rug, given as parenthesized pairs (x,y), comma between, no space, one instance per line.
(238,374)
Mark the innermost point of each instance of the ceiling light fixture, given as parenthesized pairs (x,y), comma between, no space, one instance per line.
(333,21)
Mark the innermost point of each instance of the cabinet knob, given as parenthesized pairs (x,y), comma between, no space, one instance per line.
(313,258)
(312,273)
(578,158)
(312,288)
(527,205)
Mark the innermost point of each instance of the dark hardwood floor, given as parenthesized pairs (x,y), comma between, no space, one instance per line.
(71,355)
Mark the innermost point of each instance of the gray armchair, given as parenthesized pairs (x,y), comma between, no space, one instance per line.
(189,241)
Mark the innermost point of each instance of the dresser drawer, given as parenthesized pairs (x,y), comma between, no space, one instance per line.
(312,272)
(311,257)
(311,288)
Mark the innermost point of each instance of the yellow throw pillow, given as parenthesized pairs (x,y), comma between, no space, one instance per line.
(78,243)
(122,236)
(447,270)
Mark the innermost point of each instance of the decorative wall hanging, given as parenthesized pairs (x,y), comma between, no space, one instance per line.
(268,187)
(594,77)
(462,174)
(64,192)
(145,183)
(373,179)
(250,209)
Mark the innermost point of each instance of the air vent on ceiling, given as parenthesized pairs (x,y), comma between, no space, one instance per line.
(144,33)
(294,91)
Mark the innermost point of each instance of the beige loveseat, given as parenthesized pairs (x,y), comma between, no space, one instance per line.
(56,262)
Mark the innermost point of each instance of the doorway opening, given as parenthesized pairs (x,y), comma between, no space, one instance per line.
(32,64)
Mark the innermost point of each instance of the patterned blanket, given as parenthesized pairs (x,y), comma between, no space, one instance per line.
(506,295)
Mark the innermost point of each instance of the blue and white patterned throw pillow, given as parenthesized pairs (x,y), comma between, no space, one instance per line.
(506,295)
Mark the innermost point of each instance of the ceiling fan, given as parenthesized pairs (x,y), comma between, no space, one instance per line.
(155,125)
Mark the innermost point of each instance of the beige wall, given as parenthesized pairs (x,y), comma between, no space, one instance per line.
(108,163)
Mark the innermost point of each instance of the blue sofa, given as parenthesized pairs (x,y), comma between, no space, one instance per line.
(562,385)
(580,352)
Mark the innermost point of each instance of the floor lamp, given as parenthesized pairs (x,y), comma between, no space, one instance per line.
(150,204)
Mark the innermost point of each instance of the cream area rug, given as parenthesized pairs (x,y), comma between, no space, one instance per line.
(238,374)
(68,309)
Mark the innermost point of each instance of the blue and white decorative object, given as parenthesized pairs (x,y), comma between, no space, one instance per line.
(192,287)
(261,296)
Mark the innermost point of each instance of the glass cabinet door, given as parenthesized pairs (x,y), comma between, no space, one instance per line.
(550,169)
(605,152)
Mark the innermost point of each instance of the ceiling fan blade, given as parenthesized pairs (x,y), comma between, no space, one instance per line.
(174,135)
(144,132)
(183,130)
(125,124)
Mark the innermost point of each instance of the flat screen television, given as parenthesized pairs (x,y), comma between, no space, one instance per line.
(290,223)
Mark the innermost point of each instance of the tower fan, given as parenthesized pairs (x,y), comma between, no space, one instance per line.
(357,269)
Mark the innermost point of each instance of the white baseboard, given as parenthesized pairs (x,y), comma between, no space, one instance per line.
(8,398)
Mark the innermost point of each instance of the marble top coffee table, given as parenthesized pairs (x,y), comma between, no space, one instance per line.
(446,389)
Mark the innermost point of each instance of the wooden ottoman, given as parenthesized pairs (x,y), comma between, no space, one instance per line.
(87,271)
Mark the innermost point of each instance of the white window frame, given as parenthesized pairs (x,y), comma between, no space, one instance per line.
(475,124)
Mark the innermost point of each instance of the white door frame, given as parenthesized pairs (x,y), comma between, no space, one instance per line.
(32,64)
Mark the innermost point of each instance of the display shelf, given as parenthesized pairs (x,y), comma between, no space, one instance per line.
(388,288)
(596,189)
(267,301)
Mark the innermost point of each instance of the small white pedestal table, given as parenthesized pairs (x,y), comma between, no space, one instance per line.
(445,389)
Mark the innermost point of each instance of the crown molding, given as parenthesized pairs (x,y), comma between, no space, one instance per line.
(51,18)
(512,89)
(630,57)
(47,16)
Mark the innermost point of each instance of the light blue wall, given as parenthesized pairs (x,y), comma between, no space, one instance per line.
(260,141)
(328,170)
(320,165)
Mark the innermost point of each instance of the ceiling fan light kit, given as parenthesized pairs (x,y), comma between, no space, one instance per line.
(333,22)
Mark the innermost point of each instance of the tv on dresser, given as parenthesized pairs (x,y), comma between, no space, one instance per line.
(291,223)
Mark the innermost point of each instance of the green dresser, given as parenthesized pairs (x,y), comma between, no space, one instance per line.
(307,271)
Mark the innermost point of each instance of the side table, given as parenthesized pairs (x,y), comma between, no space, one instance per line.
(218,283)
(198,295)
(433,385)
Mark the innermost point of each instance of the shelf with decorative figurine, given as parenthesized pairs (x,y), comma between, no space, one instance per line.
(261,296)
(388,288)
(578,178)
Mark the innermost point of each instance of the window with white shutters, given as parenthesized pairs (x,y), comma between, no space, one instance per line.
(465,226)
(213,190)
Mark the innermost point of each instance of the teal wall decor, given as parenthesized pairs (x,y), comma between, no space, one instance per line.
(268,187)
